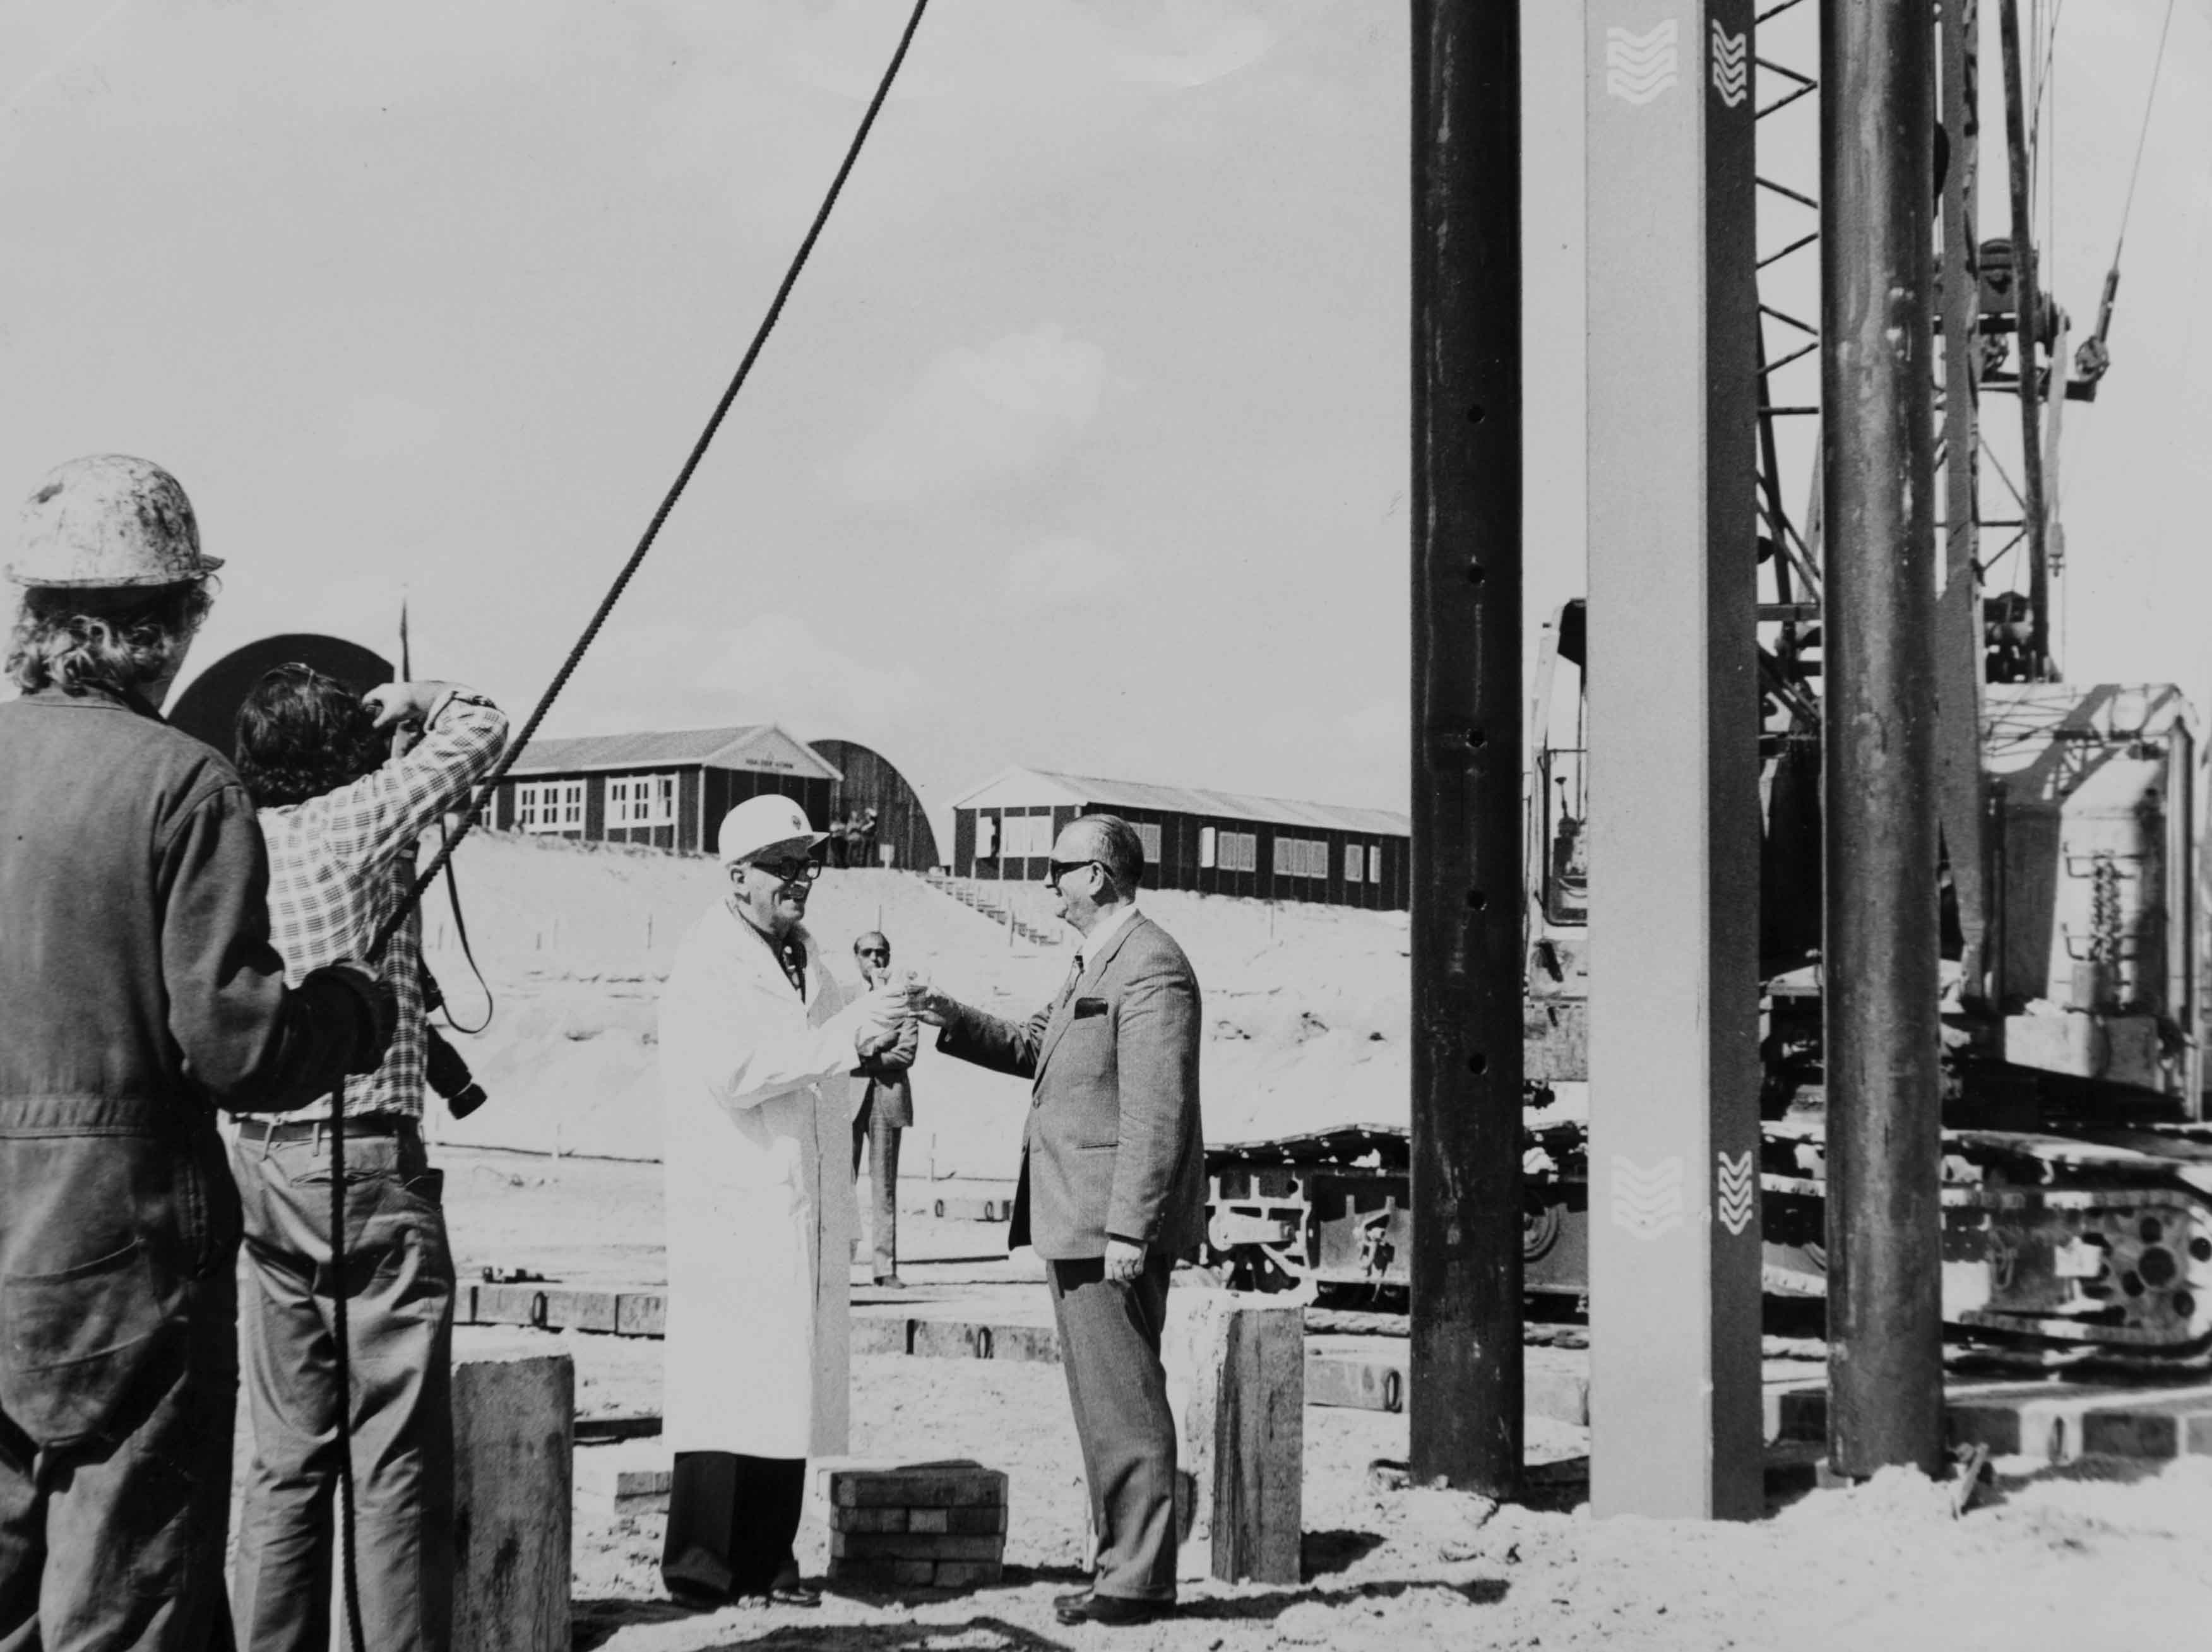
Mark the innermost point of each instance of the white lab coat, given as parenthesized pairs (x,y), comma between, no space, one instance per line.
(758,1102)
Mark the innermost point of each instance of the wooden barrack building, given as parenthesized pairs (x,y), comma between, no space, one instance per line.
(1214,842)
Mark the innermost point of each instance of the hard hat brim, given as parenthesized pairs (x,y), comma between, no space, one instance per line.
(150,581)
(806,844)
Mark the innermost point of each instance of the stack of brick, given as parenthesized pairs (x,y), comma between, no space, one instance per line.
(933,1525)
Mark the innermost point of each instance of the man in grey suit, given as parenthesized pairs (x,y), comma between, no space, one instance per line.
(1112,1192)
(886,1109)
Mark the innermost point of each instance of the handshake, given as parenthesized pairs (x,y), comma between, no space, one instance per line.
(887,1015)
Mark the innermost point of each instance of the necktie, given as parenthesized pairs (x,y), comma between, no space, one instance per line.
(1074,977)
(792,957)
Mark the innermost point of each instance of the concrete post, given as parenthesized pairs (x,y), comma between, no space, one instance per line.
(1673,764)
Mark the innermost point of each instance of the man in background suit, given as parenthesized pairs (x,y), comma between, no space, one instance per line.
(886,1109)
(1112,1192)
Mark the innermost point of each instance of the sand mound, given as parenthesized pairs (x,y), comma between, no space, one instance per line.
(1305,1006)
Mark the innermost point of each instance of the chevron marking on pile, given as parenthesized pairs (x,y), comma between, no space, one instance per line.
(1639,67)
(1738,1201)
(1647,1203)
(1731,64)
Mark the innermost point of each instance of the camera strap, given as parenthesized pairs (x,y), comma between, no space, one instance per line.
(461,934)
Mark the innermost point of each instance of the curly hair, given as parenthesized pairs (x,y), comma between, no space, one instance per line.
(76,639)
(300,734)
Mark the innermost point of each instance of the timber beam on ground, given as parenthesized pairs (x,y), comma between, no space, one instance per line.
(550,1307)
(2052,1421)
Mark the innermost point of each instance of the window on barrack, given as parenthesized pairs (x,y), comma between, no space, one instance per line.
(642,800)
(548,806)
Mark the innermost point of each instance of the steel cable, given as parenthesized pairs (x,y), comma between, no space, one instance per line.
(2150,101)
(349,1579)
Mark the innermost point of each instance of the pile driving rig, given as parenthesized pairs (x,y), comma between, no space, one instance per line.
(2077,1160)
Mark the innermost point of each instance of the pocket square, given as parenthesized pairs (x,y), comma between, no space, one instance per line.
(1084,1006)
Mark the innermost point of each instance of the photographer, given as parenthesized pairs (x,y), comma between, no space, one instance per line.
(342,813)
(137,990)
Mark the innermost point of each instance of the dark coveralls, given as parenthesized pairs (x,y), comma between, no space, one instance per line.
(137,989)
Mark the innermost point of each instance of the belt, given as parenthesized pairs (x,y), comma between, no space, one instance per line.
(255,1128)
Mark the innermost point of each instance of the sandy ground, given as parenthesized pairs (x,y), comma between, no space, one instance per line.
(2094,1556)
(1306,1012)
(2075,1561)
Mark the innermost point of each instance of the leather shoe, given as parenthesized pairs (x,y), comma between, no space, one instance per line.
(889,1282)
(696,1599)
(1070,1602)
(793,1594)
(1115,1611)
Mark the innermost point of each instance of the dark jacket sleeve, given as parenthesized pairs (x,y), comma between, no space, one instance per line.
(1156,1044)
(977,1036)
(248,1043)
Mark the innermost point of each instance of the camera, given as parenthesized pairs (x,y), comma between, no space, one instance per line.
(442,1066)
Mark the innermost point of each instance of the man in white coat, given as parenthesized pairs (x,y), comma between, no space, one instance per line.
(758,1044)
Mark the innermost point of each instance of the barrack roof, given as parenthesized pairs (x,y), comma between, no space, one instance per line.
(765,748)
(1030,787)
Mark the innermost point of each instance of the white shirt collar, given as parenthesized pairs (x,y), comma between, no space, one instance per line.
(1094,944)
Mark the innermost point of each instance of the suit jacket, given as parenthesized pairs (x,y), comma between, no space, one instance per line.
(889,1093)
(1113,1144)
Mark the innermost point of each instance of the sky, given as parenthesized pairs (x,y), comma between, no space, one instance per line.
(1083,442)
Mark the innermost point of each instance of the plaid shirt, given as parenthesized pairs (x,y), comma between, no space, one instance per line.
(340,863)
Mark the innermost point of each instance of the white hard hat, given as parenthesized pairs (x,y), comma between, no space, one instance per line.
(763,823)
(106,521)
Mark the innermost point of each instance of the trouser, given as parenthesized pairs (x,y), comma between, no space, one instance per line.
(731,1520)
(118,1542)
(1109,1347)
(882,1141)
(399,1283)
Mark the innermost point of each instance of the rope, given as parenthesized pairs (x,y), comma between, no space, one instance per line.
(2042,82)
(348,1564)
(350,1584)
(2150,102)
(675,492)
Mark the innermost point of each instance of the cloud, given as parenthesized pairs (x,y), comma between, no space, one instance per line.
(773,669)
(1063,568)
(1359,756)
(1207,48)
(385,426)
(979,417)
(777,662)
(1382,722)
(161,66)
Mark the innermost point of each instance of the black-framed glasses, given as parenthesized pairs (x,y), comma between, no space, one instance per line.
(1060,869)
(882,952)
(791,871)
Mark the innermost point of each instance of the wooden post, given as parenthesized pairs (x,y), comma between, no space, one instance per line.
(1463,1422)
(1884,1035)
(514,1439)
(1235,1369)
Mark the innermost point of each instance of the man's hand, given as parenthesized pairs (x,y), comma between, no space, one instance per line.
(934,1009)
(405,702)
(1124,1261)
(886,1012)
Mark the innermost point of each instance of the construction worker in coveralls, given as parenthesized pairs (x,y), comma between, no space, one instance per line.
(138,992)
(758,1048)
